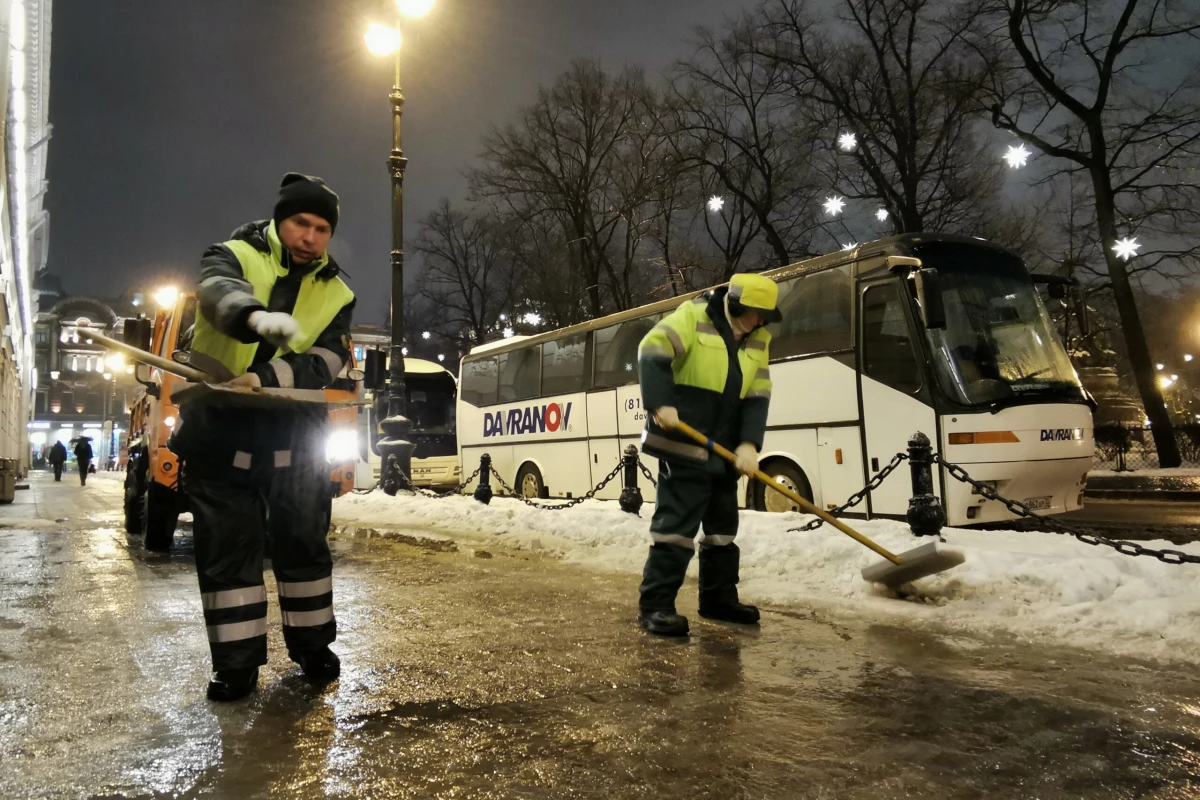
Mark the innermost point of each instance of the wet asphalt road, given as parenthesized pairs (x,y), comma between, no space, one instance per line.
(497,675)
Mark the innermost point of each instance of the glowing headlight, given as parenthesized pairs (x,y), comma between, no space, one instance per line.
(342,446)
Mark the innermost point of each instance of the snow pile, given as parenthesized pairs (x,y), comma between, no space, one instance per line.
(1156,472)
(1034,586)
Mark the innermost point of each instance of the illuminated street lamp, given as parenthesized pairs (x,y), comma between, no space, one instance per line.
(166,296)
(394,447)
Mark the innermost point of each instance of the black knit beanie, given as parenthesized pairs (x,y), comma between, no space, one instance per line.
(303,194)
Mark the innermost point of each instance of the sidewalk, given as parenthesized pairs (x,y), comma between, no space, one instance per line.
(1157,484)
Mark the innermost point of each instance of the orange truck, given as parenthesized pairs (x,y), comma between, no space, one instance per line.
(154,496)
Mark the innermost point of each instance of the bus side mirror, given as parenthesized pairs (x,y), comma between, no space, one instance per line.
(929,297)
(375,370)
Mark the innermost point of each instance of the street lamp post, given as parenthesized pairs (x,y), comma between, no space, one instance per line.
(394,447)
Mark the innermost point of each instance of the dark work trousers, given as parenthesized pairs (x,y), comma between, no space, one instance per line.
(57,470)
(232,512)
(83,472)
(689,497)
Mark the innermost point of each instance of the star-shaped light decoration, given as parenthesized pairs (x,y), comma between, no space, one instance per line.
(403,351)
(441,357)
(1017,156)
(847,141)
(1187,357)
(532,319)
(834,205)
(850,246)
(425,334)
(881,215)
(715,204)
(508,333)
(629,367)
(1126,248)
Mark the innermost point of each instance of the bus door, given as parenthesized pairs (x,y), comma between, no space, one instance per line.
(891,389)
(603,449)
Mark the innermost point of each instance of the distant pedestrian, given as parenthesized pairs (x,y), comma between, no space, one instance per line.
(57,457)
(83,454)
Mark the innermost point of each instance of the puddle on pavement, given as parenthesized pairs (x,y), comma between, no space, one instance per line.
(484,678)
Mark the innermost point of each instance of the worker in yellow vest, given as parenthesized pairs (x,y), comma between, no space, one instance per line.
(706,364)
(274,312)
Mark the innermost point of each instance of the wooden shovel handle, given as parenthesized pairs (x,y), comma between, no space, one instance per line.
(724,453)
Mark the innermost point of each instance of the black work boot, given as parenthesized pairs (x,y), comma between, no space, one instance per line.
(663,623)
(320,666)
(232,684)
(734,611)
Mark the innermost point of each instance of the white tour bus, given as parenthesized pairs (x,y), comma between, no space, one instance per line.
(942,334)
(431,391)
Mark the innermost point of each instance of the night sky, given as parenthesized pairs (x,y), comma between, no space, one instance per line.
(173,121)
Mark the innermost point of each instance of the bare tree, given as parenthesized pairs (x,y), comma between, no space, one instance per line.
(734,124)
(468,275)
(904,79)
(1087,96)
(582,156)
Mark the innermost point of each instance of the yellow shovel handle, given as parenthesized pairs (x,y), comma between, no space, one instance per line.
(704,441)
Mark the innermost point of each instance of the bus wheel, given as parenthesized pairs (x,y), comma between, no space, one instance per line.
(529,482)
(788,475)
(160,513)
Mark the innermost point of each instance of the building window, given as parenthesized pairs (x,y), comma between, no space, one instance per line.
(39,403)
(41,336)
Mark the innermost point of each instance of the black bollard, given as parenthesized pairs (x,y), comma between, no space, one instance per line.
(631,493)
(925,513)
(483,491)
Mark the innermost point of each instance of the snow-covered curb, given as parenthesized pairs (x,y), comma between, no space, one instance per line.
(1034,586)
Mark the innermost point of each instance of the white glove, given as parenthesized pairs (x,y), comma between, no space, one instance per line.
(747,458)
(667,416)
(274,326)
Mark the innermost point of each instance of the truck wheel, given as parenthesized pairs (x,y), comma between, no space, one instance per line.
(134,502)
(160,513)
(789,475)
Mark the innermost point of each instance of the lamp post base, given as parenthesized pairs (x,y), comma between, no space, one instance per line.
(396,453)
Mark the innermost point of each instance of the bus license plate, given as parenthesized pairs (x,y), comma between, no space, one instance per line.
(1038,503)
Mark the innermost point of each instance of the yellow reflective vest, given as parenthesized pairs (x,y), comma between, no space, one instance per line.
(318,302)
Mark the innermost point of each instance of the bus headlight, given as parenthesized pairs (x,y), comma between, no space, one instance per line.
(342,445)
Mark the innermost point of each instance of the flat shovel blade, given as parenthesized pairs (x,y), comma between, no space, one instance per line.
(928,559)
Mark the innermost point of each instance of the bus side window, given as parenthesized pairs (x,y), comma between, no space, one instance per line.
(520,375)
(888,354)
(816,314)
(564,364)
(479,382)
(617,352)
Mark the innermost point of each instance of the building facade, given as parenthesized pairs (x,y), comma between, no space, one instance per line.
(83,390)
(24,225)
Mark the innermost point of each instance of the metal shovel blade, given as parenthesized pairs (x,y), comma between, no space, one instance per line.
(928,559)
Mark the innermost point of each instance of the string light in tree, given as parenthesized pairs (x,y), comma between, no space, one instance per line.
(881,215)
(1126,248)
(834,205)
(532,319)
(848,141)
(850,246)
(508,333)
(1017,156)
(715,204)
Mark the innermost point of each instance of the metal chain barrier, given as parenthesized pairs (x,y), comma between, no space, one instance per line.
(457,490)
(559,506)
(1021,510)
(858,496)
(647,474)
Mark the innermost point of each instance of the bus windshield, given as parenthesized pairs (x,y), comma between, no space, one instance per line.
(999,345)
(431,402)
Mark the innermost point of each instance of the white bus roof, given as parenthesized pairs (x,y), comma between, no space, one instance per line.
(483,348)
(421,366)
